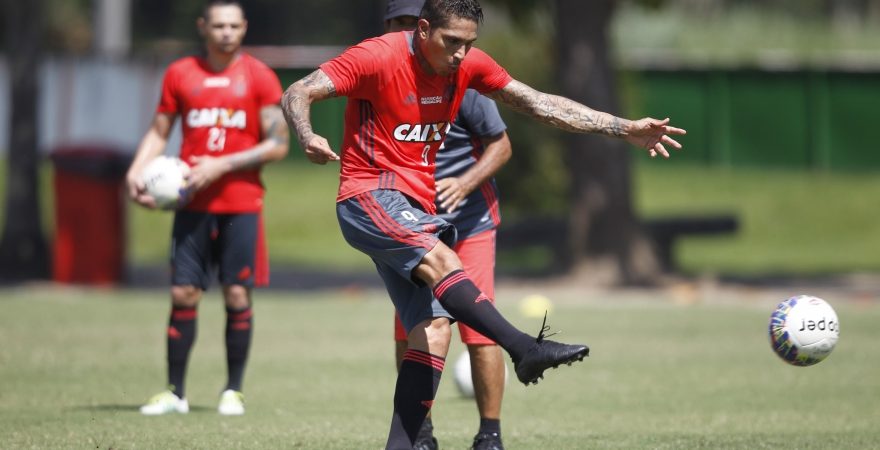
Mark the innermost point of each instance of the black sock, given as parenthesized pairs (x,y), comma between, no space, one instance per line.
(490,426)
(181,335)
(458,294)
(417,382)
(239,324)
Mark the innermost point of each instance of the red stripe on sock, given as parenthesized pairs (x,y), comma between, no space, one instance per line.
(449,281)
(239,316)
(240,326)
(425,358)
(184,314)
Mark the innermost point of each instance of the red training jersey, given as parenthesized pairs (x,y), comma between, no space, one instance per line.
(397,115)
(220,114)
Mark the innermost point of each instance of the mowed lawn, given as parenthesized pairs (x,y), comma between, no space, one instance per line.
(75,364)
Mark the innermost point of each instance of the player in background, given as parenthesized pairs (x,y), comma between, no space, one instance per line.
(476,146)
(404,89)
(232,125)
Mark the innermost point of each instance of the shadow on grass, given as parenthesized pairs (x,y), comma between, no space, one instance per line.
(111,407)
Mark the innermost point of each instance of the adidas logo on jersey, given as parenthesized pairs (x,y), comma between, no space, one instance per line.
(421,132)
(216,117)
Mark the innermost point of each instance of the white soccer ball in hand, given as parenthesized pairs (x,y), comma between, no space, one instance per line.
(165,180)
(803,330)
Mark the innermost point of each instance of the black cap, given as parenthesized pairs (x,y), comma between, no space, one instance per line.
(397,8)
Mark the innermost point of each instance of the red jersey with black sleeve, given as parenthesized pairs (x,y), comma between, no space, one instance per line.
(397,115)
(220,114)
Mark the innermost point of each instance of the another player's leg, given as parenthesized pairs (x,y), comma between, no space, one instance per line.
(237,244)
(190,260)
(238,335)
(477,254)
(487,373)
(180,336)
(531,356)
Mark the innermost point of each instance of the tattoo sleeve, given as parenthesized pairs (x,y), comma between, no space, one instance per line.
(559,111)
(298,98)
(275,134)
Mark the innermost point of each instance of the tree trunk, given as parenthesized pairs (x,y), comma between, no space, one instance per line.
(23,250)
(605,239)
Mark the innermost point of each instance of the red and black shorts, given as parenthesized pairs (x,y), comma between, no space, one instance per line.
(230,245)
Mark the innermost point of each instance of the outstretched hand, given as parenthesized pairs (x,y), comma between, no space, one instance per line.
(652,134)
(318,150)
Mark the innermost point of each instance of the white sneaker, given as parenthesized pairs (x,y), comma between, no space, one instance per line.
(231,403)
(165,403)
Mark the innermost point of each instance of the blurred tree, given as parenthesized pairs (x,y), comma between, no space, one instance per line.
(23,251)
(602,225)
(603,233)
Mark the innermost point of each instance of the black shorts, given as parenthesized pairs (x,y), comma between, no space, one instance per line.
(203,243)
(396,234)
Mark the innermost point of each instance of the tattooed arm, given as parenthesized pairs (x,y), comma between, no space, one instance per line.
(296,104)
(273,147)
(572,116)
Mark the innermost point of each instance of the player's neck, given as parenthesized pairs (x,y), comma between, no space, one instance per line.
(417,51)
(220,61)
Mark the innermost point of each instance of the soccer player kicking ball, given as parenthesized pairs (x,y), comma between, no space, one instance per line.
(232,126)
(475,147)
(404,90)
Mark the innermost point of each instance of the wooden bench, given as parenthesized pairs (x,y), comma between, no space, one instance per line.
(666,231)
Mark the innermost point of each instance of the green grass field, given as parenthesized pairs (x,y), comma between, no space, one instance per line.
(76,364)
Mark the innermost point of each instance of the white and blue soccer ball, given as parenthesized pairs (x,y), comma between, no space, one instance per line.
(803,330)
(165,180)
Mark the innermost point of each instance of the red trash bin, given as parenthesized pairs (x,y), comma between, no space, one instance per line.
(90,202)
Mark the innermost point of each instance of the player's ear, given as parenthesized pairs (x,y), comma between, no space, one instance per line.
(423,28)
(200,25)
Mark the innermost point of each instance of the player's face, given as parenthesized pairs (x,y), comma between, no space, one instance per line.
(401,23)
(223,29)
(444,48)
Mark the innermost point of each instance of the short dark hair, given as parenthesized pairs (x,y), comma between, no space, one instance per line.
(212,3)
(438,12)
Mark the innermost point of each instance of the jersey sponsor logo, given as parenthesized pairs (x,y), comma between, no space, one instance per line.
(431,100)
(216,82)
(421,132)
(216,117)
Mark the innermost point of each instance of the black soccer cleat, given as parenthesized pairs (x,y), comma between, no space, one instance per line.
(545,354)
(426,444)
(425,440)
(487,441)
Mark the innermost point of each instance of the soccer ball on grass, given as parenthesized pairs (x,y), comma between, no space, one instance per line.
(803,330)
(165,180)
(462,375)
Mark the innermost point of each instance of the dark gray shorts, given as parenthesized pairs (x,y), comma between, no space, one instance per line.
(202,243)
(396,234)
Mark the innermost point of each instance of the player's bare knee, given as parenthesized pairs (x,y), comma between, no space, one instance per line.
(437,263)
(185,296)
(439,335)
(236,296)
